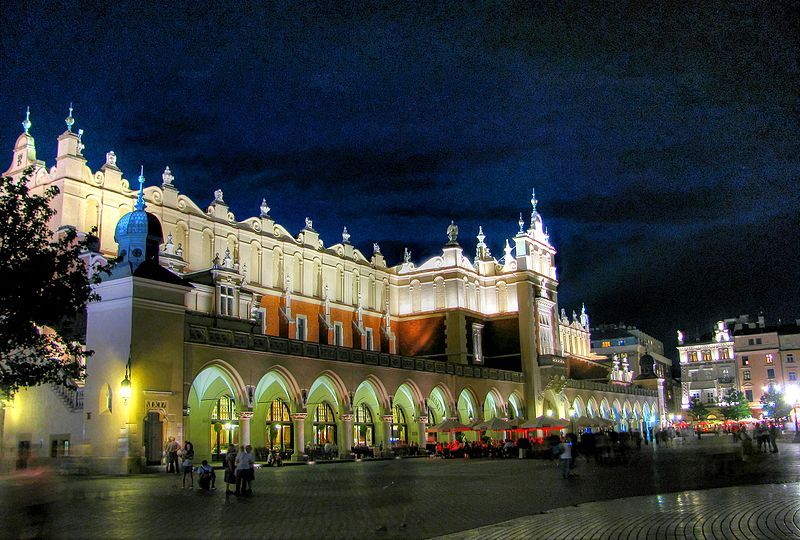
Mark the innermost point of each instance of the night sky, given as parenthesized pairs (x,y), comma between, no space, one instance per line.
(662,141)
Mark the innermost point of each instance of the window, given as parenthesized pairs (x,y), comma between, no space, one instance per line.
(758,341)
(338,334)
(751,342)
(477,343)
(606,344)
(279,426)
(621,342)
(724,354)
(369,339)
(324,425)
(706,356)
(693,375)
(790,358)
(224,424)
(710,396)
(226,299)
(746,375)
(399,427)
(302,329)
(363,428)
(792,375)
(745,360)
(692,356)
(768,358)
(748,394)
(695,395)
(771,373)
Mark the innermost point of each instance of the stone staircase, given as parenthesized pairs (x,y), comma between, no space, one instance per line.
(72,397)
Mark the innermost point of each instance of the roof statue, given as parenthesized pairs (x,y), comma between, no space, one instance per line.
(218,196)
(140,199)
(111,158)
(345,236)
(227,262)
(215,261)
(563,313)
(169,247)
(69,120)
(81,146)
(376,249)
(309,224)
(680,337)
(584,316)
(406,255)
(507,250)
(167,177)
(264,208)
(452,234)
(26,124)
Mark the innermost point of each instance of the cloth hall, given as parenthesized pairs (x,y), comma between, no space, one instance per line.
(231,330)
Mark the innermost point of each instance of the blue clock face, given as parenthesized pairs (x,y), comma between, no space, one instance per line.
(137,252)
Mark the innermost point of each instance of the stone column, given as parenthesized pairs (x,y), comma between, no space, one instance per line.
(299,420)
(346,440)
(244,427)
(387,430)
(422,425)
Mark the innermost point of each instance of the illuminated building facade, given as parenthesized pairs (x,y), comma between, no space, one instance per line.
(708,367)
(242,331)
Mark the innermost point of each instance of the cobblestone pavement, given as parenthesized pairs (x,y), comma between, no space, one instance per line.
(422,498)
(765,511)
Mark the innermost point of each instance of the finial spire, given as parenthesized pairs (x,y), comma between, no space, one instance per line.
(26,124)
(69,119)
(521,224)
(533,207)
(140,199)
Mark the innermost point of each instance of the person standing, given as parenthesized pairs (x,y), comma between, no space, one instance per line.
(187,455)
(245,463)
(230,468)
(773,437)
(565,456)
(171,449)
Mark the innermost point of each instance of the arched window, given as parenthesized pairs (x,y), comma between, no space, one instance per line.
(224,426)
(363,428)
(324,425)
(279,427)
(399,427)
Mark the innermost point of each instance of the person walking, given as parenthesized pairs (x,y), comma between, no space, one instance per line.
(230,469)
(187,455)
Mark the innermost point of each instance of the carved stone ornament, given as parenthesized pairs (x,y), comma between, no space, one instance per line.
(406,255)
(167,177)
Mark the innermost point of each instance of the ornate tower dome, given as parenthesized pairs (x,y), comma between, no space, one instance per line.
(138,233)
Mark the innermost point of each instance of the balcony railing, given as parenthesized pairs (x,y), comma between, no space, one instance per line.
(201,330)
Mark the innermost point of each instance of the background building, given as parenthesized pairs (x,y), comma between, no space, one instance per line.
(708,366)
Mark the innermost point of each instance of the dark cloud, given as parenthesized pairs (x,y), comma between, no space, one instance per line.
(662,138)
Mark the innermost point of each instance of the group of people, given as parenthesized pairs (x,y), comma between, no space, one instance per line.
(764,435)
(239,467)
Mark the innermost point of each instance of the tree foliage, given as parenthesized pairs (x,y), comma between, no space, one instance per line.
(44,285)
(697,409)
(774,403)
(735,405)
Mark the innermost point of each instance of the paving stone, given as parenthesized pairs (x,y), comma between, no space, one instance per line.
(663,493)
